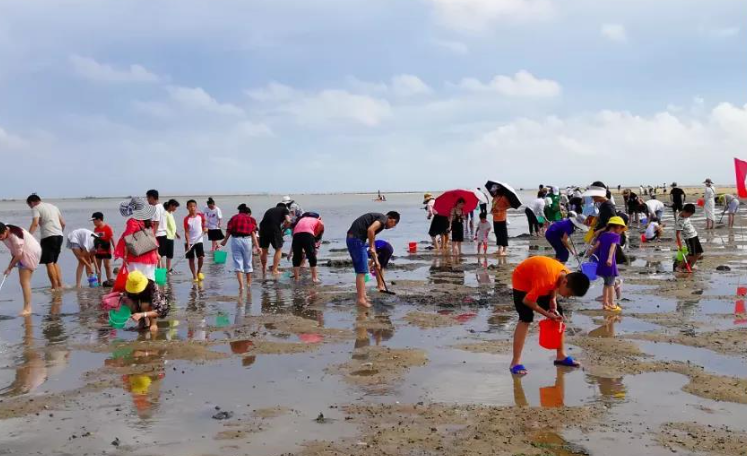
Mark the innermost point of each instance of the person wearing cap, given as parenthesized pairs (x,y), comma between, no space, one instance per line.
(145,299)
(214,218)
(242,231)
(677,196)
(597,191)
(605,249)
(103,255)
(559,235)
(709,195)
(82,243)
(294,209)
(139,216)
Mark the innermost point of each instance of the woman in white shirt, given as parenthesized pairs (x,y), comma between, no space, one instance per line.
(709,195)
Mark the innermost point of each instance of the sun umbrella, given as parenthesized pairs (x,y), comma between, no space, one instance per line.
(508,191)
(446,202)
(482,198)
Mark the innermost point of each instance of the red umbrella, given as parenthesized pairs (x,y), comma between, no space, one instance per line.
(446,202)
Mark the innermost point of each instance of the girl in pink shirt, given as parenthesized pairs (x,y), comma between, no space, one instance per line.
(25,253)
(306,237)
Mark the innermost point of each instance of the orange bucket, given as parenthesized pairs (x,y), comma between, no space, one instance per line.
(412,247)
(551,334)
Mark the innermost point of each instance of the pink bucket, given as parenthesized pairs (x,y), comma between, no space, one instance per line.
(112,301)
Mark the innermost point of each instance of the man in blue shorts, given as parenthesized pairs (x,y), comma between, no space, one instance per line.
(365,228)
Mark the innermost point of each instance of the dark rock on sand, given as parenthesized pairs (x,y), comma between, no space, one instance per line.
(723,268)
(223,416)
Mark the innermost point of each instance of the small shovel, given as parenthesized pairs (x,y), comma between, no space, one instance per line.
(378,271)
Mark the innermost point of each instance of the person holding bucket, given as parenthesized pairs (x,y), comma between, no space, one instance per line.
(137,256)
(605,249)
(537,282)
(25,253)
(145,300)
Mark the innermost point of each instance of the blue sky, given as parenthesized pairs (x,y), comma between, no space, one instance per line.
(108,97)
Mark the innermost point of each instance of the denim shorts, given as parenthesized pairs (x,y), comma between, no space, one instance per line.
(241,254)
(609,281)
(359,254)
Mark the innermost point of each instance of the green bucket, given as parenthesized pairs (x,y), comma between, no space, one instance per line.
(219,256)
(161,276)
(118,318)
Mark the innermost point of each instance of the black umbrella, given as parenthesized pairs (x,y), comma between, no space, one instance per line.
(495,187)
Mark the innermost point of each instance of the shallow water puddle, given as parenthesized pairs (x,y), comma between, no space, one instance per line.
(711,361)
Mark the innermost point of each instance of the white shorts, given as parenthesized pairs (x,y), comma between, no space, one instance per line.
(148,270)
(733,206)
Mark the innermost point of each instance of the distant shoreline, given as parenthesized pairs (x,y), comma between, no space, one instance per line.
(689,189)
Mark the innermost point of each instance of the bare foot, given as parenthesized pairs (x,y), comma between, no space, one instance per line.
(25,312)
(364,304)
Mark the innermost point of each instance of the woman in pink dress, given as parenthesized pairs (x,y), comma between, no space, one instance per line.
(25,253)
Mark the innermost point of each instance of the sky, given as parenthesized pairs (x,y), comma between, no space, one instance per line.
(112,97)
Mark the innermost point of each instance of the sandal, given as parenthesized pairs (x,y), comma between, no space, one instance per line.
(614,308)
(567,362)
(519,369)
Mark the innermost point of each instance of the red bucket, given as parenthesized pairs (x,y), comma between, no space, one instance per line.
(412,247)
(741,291)
(551,334)
(643,238)
(121,282)
(701,202)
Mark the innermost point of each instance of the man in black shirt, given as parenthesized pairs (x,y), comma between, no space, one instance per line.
(271,229)
(678,197)
(365,228)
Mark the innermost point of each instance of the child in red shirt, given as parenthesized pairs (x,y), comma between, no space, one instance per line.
(103,245)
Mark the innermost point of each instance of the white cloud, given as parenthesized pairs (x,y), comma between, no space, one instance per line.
(153,108)
(251,129)
(359,85)
(479,15)
(522,84)
(274,91)
(457,47)
(614,32)
(721,32)
(9,141)
(196,98)
(615,143)
(92,70)
(406,85)
(329,106)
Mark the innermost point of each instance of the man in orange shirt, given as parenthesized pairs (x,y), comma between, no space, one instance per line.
(536,283)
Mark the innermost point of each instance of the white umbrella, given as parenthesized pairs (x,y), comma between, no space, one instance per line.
(481,197)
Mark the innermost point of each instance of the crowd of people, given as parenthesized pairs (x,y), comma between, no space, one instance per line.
(147,244)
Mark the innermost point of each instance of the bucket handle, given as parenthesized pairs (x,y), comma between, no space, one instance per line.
(594,256)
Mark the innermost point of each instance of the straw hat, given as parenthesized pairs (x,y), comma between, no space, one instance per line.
(137,208)
(708,181)
(593,191)
(616,220)
(286,200)
(579,221)
(136,282)
(427,197)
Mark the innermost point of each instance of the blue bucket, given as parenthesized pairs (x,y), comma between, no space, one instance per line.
(589,269)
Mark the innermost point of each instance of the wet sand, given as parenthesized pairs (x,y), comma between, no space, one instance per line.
(297,369)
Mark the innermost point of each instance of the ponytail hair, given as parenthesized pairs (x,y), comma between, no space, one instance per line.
(14,230)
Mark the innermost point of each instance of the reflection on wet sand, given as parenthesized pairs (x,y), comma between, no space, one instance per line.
(550,396)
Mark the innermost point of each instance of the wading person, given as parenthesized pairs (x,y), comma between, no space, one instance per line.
(104,242)
(195,228)
(145,300)
(158,222)
(82,243)
(709,207)
(139,216)
(364,229)
(25,253)
(307,234)
(271,229)
(242,231)
(49,220)
(214,218)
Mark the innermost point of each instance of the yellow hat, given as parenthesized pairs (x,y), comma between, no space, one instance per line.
(136,282)
(140,384)
(427,195)
(616,221)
